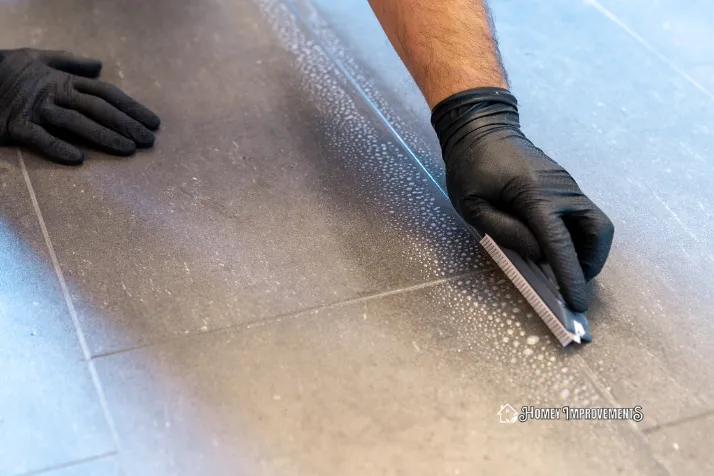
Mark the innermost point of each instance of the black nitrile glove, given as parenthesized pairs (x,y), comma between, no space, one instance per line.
(507,188)
(45,93)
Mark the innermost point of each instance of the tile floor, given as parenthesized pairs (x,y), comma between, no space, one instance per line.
(280,287)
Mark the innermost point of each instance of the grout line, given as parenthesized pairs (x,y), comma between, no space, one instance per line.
(294,314)
(612,17)
(639,431)
(365,97)
(70,464)
(70,305)
(592,376)
(680,421)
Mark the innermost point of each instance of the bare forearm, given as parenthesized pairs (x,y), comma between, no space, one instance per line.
(447,45)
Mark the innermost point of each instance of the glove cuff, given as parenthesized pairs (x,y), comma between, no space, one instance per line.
(473,113)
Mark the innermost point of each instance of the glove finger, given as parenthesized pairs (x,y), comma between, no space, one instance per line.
(69,63)
(74,122)
(592,233)
(36,138)
(117,98)
(105,114)
(559,250)
(507,230)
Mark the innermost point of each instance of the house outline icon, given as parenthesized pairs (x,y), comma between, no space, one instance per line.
(507,414)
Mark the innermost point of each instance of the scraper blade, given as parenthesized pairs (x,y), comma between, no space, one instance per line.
(538,286)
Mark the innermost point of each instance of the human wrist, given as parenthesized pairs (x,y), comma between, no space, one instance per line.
(473,113)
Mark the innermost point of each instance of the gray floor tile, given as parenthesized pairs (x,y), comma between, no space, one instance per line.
(271,189)
(409,383)
(685,448)
(39,24)
(49,412)
(621,121)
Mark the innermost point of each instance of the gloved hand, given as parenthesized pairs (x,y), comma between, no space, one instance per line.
(43,93)
(506,187)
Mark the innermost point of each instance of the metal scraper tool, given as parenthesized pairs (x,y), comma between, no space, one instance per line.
(537,284)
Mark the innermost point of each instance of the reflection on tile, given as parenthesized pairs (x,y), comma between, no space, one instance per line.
(49,412)
(636,136)
(681,31)
(410,383)
(685,448)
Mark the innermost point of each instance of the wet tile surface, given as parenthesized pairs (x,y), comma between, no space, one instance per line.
(49,411)
(620,120)
(293,199)
(352,36)
(412,385)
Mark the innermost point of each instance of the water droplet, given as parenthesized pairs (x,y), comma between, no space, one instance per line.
(532,340)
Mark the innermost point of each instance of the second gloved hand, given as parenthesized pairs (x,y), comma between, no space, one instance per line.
(509,189)
(46,91)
